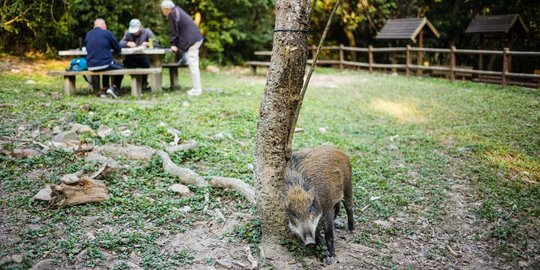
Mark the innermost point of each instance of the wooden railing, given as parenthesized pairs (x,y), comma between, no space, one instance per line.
(451,69)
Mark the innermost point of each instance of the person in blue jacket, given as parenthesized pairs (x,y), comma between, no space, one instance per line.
(186,37)
(100,46)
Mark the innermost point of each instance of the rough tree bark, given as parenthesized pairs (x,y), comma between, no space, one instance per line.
(281,98)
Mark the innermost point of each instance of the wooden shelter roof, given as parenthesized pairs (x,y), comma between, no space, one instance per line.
(407,29)
(495,24)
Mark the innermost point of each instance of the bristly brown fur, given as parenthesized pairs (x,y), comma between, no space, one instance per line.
(317,181)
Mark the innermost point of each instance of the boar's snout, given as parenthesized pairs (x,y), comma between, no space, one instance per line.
(309,241)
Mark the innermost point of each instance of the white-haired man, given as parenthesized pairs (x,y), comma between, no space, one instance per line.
(185,37)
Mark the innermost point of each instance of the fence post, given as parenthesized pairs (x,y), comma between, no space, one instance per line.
(408,60)
(505,66)
(370,58)
(452,63)
(341,56)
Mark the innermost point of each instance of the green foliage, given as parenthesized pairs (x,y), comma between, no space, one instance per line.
(234,29)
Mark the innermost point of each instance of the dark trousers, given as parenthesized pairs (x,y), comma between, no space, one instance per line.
(106,80)
(137,61)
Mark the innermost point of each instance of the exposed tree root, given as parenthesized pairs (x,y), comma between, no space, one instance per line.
(187,176)
(182,147)
(236,184)
(129,151)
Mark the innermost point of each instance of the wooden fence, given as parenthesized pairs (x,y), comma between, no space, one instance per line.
(451,69)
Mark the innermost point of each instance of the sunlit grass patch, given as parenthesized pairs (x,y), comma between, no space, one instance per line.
(518,165)
(402,112)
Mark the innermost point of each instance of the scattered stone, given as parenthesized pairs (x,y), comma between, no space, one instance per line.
(44,194)
(250,166)
(44,265)
(25,153)
(179,188)
(72,178)
(185,104)
(89,236)
(299,130)
(17,258)
(30,82)
(66,140)
(104,131)
(322,130)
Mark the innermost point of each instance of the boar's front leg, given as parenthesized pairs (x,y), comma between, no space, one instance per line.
(329,237)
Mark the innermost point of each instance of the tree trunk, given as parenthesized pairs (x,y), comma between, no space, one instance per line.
(281,98)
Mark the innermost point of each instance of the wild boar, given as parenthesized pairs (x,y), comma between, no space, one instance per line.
(317,180)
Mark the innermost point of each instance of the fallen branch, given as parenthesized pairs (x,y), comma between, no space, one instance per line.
(236,184)
(84,191)
(187,176)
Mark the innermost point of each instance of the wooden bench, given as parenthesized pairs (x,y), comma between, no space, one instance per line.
(136,77)
(173,73)
(255,64)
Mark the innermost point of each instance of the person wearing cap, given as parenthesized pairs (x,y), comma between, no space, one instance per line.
(186,37)
(100,46)
(138,36)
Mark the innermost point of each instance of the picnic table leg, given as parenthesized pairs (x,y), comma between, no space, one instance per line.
(156,61)
(173,75)
(136,85)
(69,85)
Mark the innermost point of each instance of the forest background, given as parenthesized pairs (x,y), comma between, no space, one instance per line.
(234,29)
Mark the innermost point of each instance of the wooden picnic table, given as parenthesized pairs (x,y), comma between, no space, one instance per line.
(155,57)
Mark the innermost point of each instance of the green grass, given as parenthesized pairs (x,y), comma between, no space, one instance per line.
(407,139)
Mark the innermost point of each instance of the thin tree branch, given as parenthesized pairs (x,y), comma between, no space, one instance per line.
(306,83)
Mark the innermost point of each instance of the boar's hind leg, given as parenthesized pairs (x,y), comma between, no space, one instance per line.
(348,202)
